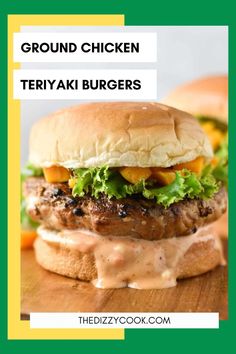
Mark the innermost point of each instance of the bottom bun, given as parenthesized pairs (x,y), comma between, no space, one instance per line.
(114,262)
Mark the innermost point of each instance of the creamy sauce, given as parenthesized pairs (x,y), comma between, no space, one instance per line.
(127,262)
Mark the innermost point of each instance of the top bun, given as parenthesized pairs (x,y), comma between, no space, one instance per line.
(204,97)
(117,134)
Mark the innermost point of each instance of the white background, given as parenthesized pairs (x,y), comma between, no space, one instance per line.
(183,53)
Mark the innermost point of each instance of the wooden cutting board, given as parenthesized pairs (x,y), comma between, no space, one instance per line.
(43,291)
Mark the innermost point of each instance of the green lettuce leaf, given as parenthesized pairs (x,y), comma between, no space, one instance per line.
(28,171)
(185,185)
(31,171)
(85,179)
(108,181)
(220,172)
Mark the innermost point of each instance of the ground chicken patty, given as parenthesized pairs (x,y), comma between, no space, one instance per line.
(53,205)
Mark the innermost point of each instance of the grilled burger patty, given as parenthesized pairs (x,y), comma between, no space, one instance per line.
(53,205)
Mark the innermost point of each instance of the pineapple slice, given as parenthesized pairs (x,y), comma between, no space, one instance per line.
(56,174)
(72,182)
(135,174)
(214,135)
(164,176)
(27,238)
(194,166)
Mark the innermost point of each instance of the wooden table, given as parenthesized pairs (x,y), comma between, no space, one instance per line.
(43,291)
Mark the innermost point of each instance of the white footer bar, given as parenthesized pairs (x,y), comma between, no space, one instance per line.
(124,320)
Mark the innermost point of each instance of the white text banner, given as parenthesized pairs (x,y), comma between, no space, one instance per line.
(80,47)
(85,84)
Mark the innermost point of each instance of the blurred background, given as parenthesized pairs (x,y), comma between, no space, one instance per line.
(183,53)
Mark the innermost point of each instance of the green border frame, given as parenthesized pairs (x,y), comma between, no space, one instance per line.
(150,12)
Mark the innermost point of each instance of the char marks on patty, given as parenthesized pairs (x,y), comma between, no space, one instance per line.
(53,205)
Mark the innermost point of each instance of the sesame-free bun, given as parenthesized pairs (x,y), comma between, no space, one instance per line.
(204,97)
(117,134)
(120,262)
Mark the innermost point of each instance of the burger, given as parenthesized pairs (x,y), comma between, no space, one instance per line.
(207,100)
(126,196)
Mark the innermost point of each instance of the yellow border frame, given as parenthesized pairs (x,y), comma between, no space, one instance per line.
(18,329)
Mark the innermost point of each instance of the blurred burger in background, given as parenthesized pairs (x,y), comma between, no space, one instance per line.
(207,99)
